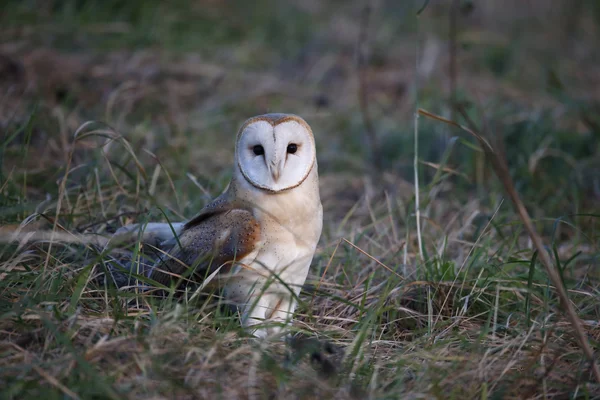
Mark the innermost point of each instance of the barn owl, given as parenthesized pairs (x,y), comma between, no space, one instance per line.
(261,233)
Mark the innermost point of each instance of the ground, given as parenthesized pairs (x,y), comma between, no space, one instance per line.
(117,112)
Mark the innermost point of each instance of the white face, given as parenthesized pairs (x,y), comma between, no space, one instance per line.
(275,158)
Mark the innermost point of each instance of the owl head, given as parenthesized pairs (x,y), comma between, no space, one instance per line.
(275,152)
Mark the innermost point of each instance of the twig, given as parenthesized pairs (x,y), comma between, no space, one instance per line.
(417,197)
(501,169)
(363,95)
(452,69)
(416,156)
(423,7)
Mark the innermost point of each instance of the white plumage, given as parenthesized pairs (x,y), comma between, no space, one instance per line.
(266,223)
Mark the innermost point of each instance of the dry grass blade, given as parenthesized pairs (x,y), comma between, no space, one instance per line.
(484,143)
(325,271)
(54,382)
(501,170)
(372,258)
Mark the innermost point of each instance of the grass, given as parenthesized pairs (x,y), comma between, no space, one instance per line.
(113,113)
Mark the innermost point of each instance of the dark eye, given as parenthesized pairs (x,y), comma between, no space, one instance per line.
(292,147)
(258,150)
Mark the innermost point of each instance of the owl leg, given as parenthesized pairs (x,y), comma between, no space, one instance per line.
(272,309)
(283,307)
(255,313)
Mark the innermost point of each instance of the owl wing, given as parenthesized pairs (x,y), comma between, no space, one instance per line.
(218,236)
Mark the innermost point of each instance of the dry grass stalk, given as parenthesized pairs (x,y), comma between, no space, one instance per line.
(500,166)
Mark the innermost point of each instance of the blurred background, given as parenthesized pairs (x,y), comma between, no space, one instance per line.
(178,78)
(114,112)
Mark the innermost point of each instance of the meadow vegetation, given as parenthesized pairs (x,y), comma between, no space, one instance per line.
(117,112)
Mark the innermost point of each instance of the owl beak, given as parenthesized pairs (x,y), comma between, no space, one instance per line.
(274,171)
(275,175)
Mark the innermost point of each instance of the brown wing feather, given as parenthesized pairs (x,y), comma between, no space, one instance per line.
(217,236)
